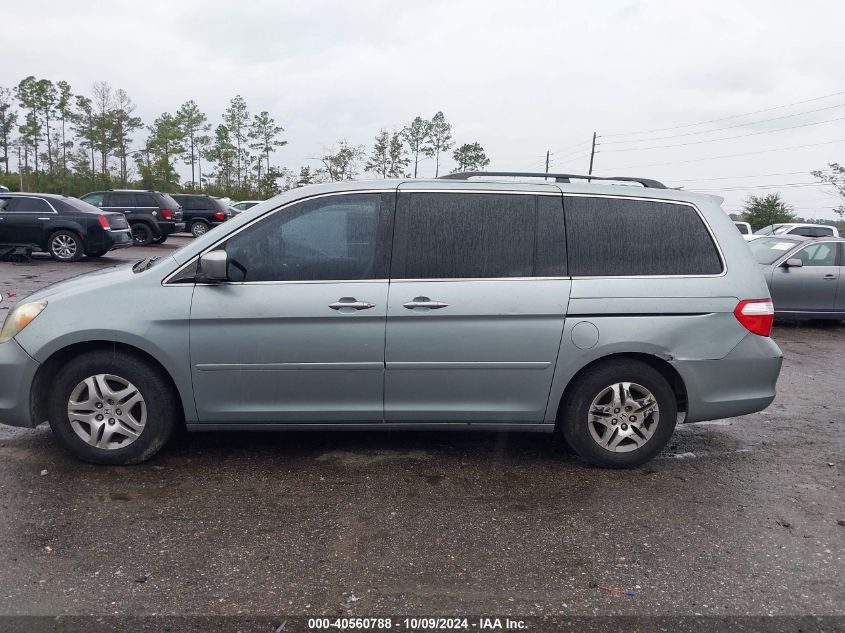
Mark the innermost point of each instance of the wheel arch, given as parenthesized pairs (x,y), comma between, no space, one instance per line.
(655,362)
(46,373)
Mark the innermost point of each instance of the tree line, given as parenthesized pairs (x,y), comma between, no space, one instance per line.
(62,142)
(765,210)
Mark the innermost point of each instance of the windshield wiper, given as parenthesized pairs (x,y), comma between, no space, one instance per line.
(144,264)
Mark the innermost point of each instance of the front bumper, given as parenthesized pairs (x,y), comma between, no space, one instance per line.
(740,383)
(17,372)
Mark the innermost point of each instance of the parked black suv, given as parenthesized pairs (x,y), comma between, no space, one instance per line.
(151,214)
(202,212)
(66,228)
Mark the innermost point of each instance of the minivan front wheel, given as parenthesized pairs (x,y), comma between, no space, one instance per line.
(619,414)
(111,408)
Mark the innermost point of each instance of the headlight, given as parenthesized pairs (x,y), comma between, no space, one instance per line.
(19,318)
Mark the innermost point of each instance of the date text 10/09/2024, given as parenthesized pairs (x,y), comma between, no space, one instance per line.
(417,624)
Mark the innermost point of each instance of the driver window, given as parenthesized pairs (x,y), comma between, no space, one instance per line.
(823,254)
(331,238)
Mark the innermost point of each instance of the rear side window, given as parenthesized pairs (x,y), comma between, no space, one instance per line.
(27,205)
(622,237)
(460,236)
(145,200)
(121,199)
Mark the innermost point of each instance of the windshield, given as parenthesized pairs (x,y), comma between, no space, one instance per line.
(769,250)
(772,229)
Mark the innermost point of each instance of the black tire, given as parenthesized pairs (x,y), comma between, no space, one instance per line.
(162,407)
(142,234)
(97,253)
(199,227)
(161,239)
(65,246)
(575,422)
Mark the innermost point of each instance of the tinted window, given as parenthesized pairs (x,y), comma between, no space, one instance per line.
(449,235)
(624,237)
(145,200)
(193,203)
(28,205)
(823,254)
(812,231)
(79,205)
(742,228)
(168,201)
(94,198)
(118,199)
(328,238)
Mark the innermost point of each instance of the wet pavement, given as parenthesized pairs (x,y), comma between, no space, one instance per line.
(739,516)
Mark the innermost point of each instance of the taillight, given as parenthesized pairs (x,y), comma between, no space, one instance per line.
(104,222)
(220,216)
(757,315)
(167,214)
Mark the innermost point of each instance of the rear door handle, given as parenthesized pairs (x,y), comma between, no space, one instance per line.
(424,302)
(830,276)
(351,303)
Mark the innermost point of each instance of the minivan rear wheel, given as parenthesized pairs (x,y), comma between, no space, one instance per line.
(111,408)
(619,414)
(199,228)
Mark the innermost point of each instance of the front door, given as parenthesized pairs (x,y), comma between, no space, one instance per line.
(297,334)
(811,287)
(478,297)
(27,220)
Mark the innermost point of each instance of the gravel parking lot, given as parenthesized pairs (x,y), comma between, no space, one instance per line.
(739,516)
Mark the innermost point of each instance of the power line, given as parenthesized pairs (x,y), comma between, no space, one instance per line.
(725,138)
(729,127)
(783,173)
(727,118)
(697,160)
(569,147)
(778,186)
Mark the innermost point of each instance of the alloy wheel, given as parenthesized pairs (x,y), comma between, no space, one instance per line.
(64,246)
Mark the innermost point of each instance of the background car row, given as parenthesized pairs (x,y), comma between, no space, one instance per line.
(69,228)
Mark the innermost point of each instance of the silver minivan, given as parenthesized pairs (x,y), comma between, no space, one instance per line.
(605,312)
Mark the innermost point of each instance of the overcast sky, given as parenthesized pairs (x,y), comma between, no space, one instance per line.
(518,77)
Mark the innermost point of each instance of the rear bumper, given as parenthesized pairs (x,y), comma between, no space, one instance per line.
(17,372)
(740,383)
(166,228)
(121,238)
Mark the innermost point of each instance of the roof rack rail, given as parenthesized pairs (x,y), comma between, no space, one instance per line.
(466,175)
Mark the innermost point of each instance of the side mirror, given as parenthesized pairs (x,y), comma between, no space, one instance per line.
(793,262)
(214,266)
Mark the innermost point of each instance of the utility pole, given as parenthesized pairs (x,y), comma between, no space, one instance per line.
(592,155)
(547,162)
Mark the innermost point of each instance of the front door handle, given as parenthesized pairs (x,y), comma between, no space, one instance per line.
(830,277)
(351,303)
(424,302)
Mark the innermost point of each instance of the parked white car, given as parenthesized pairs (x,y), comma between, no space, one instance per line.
(795,228)
(743,227)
